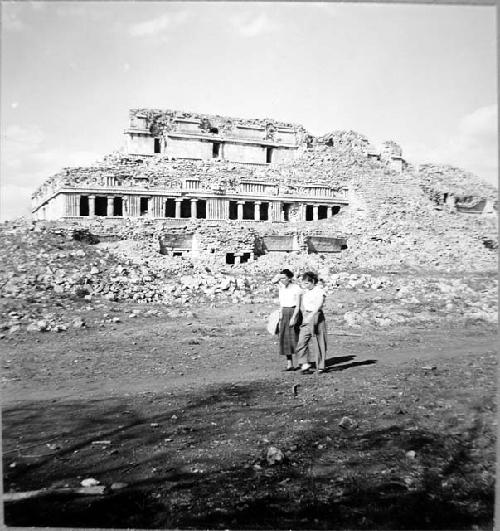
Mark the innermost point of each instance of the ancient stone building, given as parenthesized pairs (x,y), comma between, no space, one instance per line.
(182,135)
(180,165)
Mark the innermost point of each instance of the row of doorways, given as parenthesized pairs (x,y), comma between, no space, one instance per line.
(249,209)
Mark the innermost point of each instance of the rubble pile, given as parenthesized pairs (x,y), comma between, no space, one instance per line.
(333,166)
(438,180)
(49,268)
(395,224)
(399,227)
(413,301)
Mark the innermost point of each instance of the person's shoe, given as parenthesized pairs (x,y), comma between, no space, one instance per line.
(305,368)
(321,371)
(288,369)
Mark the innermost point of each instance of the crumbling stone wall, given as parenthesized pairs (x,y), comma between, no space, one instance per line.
(158,119)
(440,181)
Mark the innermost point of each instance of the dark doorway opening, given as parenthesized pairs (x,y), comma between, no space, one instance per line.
(157,145)
(117,206)
(84,205)
(322,212)
(245,257)
(233,210)
(269,155)
(216,150)
(202,209)
(170,208)
(144,206)
(101,206)
(335,210)
(286,211)
(264,211)
(309,213)
(177,253)
(230,258)
(248,210)
(185,208)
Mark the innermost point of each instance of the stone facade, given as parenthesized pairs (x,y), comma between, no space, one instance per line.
(197,136)
(179,166)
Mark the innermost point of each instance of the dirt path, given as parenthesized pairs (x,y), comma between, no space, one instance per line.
(159,354)
(182,415)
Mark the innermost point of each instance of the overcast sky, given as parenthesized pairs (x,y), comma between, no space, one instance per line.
(422,75)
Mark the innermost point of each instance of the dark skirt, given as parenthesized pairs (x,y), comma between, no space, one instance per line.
(288,335)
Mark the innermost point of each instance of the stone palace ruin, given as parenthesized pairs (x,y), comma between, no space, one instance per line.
(177,190)
(271,182)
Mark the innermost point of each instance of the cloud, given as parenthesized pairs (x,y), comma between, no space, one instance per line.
(10,17)
(15,201)
(26,163)
(482,124)
(250,26)
(474,146)
(38,6)
(158,24)
(17,142)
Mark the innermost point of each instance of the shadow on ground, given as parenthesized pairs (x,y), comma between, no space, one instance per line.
(199,461)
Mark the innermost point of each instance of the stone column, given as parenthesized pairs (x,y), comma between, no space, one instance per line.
(67,204)
(72,205)
(109,211)
(315,212)
(329,212)
(76,205)
(237,259)
(91,206)
(194,208)
(240,209)
(178,201)
(257,210)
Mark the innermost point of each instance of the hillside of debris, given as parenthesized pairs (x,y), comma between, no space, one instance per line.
(401,237)
(52,274)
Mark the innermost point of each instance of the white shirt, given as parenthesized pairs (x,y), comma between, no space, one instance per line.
(312,299)
(289,295)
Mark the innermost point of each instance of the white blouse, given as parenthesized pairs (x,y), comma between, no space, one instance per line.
(289,295)
(313,299)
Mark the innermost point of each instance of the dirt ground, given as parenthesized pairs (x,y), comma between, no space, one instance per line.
(176,417)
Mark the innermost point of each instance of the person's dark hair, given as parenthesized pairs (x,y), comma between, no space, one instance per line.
(286,272)
(312,277)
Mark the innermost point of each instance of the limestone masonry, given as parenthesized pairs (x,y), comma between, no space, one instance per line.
(190,172)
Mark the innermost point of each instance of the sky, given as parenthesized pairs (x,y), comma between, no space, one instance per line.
(424,76)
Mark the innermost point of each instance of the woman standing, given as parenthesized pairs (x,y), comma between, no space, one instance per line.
(290,317)
(313,328)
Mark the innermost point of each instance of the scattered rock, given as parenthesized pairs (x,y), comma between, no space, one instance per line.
(89,482)
(347,423)
(274,455)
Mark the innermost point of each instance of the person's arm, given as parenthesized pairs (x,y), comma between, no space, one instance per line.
(275,279)
(298,301)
